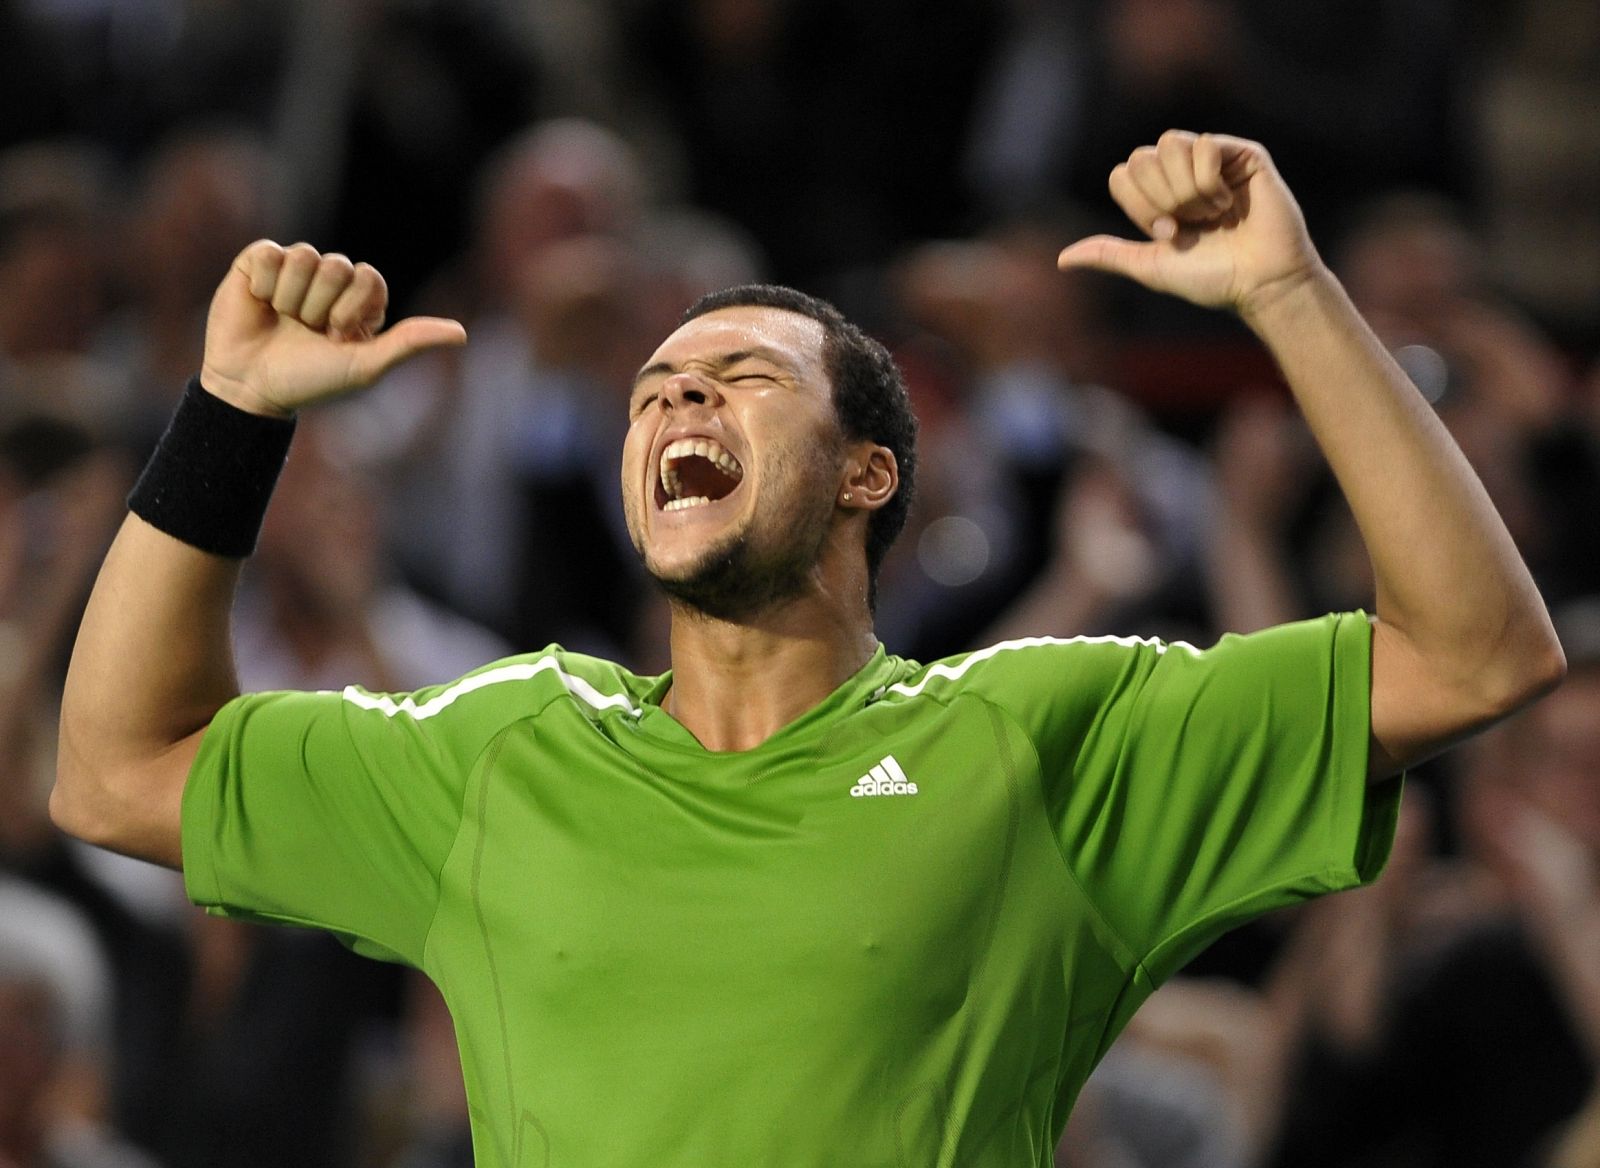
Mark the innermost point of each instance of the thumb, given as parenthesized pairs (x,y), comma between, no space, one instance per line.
(402,341)
(1107,253)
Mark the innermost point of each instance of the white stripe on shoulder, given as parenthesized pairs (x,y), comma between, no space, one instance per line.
(953,672)
(518,671)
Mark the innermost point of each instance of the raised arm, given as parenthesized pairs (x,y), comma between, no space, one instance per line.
(153,661)
(1461,637)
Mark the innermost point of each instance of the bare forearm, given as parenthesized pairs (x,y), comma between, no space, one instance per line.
(152,664)
(1451,586)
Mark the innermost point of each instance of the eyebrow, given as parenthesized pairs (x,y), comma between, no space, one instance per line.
(720,361)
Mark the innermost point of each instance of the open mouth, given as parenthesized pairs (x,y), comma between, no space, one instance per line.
(694,473)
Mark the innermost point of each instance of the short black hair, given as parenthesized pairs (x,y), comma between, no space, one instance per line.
(869,397)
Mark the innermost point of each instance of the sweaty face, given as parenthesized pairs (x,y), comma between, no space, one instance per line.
(732,459)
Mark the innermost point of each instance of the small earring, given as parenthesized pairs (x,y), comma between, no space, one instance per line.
(848,496)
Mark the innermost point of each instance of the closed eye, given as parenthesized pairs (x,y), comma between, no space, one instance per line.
(743,369)
(643,404)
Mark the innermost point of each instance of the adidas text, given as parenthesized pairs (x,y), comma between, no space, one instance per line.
(884,779)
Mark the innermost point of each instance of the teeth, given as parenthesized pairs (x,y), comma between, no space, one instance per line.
(707,448)
(685,504)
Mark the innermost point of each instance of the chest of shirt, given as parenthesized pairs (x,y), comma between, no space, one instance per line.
(890,841)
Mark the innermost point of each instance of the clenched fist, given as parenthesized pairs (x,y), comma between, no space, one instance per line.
(291,326)
(1224,229)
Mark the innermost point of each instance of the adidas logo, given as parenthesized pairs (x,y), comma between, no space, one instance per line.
(884,779)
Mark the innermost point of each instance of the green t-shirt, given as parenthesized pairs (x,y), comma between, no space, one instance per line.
(899,932)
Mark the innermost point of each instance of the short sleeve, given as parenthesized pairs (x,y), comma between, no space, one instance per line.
(314,809)
(1191,790)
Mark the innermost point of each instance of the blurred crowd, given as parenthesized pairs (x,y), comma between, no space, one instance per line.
(565,177)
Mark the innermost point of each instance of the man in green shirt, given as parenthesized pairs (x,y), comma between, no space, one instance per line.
(796,901)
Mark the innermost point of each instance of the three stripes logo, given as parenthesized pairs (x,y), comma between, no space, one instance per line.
(886,778)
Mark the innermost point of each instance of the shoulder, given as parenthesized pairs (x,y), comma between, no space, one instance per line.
(513,688)
(1089,670)
(1026,656)
(1028,661)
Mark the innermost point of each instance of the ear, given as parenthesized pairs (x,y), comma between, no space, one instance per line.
(871,477)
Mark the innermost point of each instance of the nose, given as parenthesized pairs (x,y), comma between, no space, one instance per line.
(686,388)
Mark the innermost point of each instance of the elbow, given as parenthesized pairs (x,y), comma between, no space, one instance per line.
(1552,670)
(1555,666)
(73,807)
(1423,704)
(130,807)
(78,797)
(139,823)
(62,812)
(1532,669)
(85,803)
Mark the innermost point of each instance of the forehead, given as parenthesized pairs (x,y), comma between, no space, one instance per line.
(792,339)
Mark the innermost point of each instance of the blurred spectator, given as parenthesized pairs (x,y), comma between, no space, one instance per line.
(558,180)
(1286,544)
(1539,147)
(399,95)
(1043,487)
(1377,991)
(577,581)
(1283,545)
(53,281)
(1359,97)
(786,109)
(1266,463)
(34,98)
(970,544)
(1076,78)
(131,68)
(358,100)
(60,497)
(1578,1145)
(1479,1044)
(1422,280)
(1189,1084)
(1351,97)
(263,1065)
(444,432)
(54,1001)
(689,253)
(321,607)
(200,199)
(1564,470)
(59,500)
(436,1130)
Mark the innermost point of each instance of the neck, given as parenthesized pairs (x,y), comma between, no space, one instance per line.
(737,683)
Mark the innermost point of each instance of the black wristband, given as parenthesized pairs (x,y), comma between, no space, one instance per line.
(212,473)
